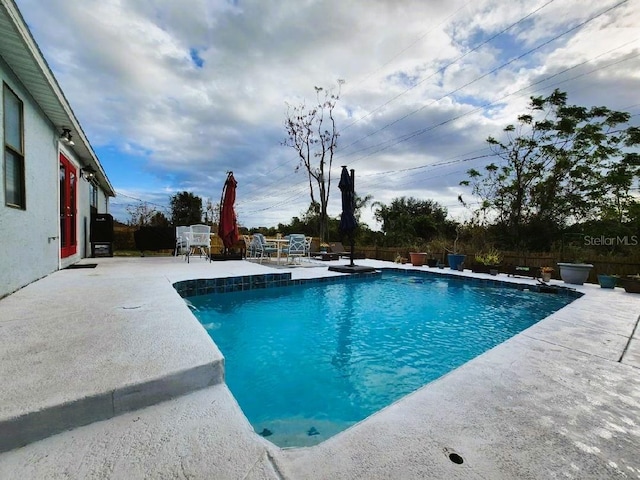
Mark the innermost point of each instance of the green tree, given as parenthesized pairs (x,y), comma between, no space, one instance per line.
(159,220)
(559,165)
(361,204)
(313,134)
(408,221)
(186,209)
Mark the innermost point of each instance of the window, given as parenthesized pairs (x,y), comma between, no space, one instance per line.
(14,194)
(94,195)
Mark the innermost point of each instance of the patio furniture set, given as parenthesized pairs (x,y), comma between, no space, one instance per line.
(293,247)
(191,239)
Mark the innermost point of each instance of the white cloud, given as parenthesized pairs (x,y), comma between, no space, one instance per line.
(128,70)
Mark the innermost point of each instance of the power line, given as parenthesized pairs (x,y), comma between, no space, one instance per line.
(415,133)
(367,76)
(411,135)
(430,76)
(164,207)
(442,69)
(519,57)
(406,137)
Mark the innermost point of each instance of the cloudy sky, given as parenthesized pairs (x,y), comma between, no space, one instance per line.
(174,93)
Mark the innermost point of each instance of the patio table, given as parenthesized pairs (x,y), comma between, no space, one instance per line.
(279,242)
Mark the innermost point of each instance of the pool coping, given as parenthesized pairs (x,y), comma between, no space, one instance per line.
(206,286)
(574,332)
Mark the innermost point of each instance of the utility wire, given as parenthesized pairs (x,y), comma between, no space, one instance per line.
(370,74)
(519,57)
(392,142)
(442,69)
(412,134)
(406,137)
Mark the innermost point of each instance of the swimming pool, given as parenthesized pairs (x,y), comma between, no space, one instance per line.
(306,362)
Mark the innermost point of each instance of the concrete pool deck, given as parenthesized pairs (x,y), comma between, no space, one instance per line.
(115,352)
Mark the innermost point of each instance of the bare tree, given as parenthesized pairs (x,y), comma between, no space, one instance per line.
(211,212)
(140,214)
(312,133)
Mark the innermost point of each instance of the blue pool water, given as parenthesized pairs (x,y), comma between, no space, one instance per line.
(305,362)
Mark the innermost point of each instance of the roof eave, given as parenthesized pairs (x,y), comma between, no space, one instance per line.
(21,52)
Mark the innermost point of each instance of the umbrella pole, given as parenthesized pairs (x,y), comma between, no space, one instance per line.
(353,196)
(353,247)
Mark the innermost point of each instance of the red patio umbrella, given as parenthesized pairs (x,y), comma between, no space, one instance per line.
(228,226)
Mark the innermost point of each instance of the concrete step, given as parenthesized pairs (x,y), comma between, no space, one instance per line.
(201,435)
(85,345)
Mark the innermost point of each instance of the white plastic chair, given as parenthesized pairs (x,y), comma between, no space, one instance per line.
(309,241)
(199,237)
(181,240)
(247,245)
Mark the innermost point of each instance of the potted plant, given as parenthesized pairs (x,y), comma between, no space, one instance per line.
(455,259)
(545,273)
(324,247)
(575,273)
(437,252)
(487,262)
(630,283)
(607,281)
(418,258)
(400,259)
(419,253)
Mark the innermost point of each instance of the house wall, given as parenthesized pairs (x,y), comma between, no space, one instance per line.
(30,238)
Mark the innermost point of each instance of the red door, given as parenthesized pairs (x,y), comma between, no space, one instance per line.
(68,208)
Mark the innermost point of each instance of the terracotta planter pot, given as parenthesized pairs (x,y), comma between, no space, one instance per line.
(418,259)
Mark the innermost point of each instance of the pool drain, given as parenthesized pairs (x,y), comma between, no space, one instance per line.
(455,458)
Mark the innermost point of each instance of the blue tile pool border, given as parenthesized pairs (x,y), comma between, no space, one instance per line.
(192,288)
(206,286)
(493,282)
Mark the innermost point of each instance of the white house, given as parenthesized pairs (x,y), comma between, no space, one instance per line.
(52,181)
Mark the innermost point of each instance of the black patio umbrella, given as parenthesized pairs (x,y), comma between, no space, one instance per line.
(348,222)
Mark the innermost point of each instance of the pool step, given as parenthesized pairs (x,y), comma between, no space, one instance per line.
(126,342)
(18,431)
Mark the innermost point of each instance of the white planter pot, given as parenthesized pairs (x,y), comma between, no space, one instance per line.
(574,273)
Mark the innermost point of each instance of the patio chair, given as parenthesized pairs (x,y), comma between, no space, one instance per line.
(247,246)
(338,249)
(181,240)
(260,248)
(297,247)
(199,237)
(309,246)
